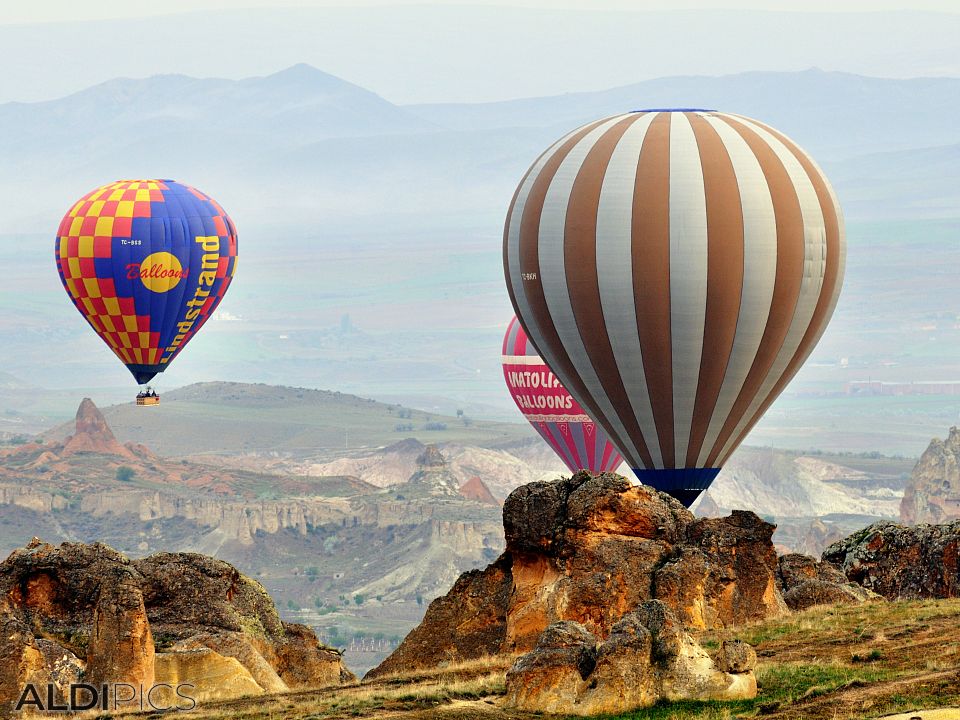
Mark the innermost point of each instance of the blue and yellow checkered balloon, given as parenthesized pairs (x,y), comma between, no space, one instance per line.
(146,262)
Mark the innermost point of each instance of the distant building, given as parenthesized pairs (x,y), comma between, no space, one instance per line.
(921,387)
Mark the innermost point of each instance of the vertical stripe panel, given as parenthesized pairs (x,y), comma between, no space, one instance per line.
(523,240)
(688,275)
(580,251)
(557,296)
(814,252)
(759,273)
(786,288)
(650,261)
(724,276)
(835,252)
(615,277)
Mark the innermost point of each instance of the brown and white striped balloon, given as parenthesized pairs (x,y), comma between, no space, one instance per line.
(675,268)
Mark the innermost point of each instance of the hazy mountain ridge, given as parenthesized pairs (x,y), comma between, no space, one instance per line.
(288,145)
(867,114)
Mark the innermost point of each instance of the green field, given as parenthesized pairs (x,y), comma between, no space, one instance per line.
(233,418)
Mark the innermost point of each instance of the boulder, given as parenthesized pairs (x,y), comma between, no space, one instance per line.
(302,662)
(647,657)
(549,678)
(900,562)
(736,656)
(806,582)
(61,604)
(187,592)
(591,549)
(234,645)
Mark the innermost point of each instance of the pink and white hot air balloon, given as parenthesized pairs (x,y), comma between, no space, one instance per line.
(546,404)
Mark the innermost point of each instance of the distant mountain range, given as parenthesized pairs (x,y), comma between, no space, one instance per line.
(302,143)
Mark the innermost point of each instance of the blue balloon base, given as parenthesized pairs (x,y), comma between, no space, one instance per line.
(685,484)
(145,373)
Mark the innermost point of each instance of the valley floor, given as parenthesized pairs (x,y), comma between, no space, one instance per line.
(835,663)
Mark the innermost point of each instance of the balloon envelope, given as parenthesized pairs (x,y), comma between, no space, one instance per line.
(675,269)
(545,403)
(146,262)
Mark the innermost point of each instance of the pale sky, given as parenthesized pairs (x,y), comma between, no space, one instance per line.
(70,10)
(468,50)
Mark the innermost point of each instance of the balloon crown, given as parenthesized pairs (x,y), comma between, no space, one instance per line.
(690,109)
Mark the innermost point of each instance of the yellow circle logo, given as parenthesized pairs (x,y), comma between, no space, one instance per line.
(160,272)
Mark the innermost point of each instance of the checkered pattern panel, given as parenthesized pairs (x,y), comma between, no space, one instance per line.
(111,230)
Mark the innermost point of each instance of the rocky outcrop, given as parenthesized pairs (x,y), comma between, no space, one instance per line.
(93,435)
(647,657)
(468,622)
(901,562)
(591,549)
(120,646)
(818,536)
(212,676)
(87,610)
(433,476)
(806,582)
(476,489)
(933,493)
(21,659)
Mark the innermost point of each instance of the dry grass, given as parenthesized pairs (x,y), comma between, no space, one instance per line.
(839,663)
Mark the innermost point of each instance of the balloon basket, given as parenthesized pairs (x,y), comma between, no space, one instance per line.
(148,400)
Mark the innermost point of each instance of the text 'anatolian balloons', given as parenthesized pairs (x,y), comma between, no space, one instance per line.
(146,262)
(546,404)
(675,268)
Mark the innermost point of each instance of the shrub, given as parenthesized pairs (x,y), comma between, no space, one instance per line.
(125,473)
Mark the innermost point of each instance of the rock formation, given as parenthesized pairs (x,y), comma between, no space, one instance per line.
(476,489)
(806,582)
(93,435)
(933,493)
(901,562)
(591,549)
(647,657)
(86,609)
(433,476)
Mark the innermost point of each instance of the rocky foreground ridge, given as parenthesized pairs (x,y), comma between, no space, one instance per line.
(85,613)
(591,549)
(602,583)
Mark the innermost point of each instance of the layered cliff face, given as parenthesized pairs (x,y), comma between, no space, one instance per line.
(87,611)
(591,549)
(933,493)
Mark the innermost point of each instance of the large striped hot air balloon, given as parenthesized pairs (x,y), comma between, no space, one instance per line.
(675,268)
(552,411)
(146,262)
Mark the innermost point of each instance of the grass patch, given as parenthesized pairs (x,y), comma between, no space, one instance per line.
(790,682)
(779,685)
(685,710)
